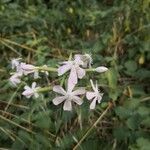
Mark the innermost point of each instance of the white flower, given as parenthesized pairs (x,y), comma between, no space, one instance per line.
(94,96)
(101,69)
(68,96)
(31,91)
(15,63)
(15,79)
(76,71)
(27,69)
(86,58)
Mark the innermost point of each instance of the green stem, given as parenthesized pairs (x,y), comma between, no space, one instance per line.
(44,89)
(90,69)
(51,69)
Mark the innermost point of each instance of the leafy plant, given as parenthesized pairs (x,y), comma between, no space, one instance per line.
(116,33)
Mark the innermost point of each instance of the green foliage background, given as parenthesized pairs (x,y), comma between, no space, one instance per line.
(116,33)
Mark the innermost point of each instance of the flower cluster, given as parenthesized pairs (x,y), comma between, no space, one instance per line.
(77,69)
(23,69)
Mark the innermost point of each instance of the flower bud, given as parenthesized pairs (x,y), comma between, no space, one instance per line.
(101,69)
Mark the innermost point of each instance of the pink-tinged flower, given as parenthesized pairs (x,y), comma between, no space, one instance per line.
(15,79)
(76,71)
(101,69)
(15,63)
(68,96)
(31,91)
(86,58)
(26,68)
(94,96)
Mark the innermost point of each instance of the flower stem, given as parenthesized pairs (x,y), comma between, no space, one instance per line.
(44,89)
(51,69)
(90,69)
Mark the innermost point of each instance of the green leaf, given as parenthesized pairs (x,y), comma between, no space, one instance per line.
(132,103)
(143,144)
(143,73)
(112,82)
(112,78)
(122,112)
(43,120)
(146,122)
(143,111)
(134,122)
(131,66)
(121,133)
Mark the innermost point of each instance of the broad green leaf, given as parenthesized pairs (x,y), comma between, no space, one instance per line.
(132,103)
(123,112)
(131,66)
(121,133)
(134,122)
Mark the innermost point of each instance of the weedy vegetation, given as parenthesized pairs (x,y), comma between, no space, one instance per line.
(116,34)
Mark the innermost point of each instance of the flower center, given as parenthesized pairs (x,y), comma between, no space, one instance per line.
(75,64)
(69,96)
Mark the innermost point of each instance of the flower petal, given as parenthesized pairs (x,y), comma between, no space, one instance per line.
(27,67)
(28,93)
(36,95)
(86,59)
(93,104)
(28,96)
(93,87)
(59,89)
(70,87)
(77,100)
(67,105)
(27,87)
(80,72)
(79,91)
(14,82)
(36,75)
(63,69)
(72,77)
(15,62)
(78,56)
(78,61)
(33,85)
(90,95)
(17,81)
(100,98)
(58,100)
